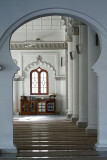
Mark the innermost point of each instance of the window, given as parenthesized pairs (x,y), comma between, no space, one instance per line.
(39,82)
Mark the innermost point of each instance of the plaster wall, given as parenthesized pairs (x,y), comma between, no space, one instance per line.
(49,28)
(52,59)
(48,36)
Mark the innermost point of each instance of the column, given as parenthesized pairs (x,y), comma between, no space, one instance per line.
(20,92)
(83,79)
(15,96)
(20,81)
(75,114)
(20,64)
(70,81)
(93,54)
(101,69)
(6,103)
(102,113)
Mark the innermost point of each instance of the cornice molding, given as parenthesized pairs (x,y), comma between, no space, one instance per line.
(63,77)
(20,78)
(38,45)
(39,62)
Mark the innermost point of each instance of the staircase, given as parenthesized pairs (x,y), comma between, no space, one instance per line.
(52,138)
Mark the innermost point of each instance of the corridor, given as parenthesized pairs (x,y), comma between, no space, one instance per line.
(52,137)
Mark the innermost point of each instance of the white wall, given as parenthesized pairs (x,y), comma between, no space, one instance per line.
(49,28)
(48,36)
(50,61)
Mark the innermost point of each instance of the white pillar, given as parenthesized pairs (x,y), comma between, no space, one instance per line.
(102,114)
(70,80)
(6,102)
(83,79)
(75,77)
(20,92)
(101,69)
(93,54)
(15,96)
(20,64)
(21,81)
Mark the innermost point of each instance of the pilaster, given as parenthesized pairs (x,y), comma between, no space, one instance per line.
(93,54)
(75,77)
(101,69)
(70,81)
(6,104)
(83,79)
(15,96)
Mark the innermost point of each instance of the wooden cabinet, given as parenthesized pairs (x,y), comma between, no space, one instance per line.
(41,107)
(28,107)
(38,106)
(46,107)
(51,106)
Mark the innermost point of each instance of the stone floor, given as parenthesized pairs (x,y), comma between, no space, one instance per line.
(52,138)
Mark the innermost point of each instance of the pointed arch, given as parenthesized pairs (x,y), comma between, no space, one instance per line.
(39,84)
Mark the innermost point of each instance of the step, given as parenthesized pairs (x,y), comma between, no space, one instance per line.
(53,139)
(57,158)
(54,153)
(55,147)
(53,142)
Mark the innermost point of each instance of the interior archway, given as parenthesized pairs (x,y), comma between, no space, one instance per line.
(33,44)
(80,16)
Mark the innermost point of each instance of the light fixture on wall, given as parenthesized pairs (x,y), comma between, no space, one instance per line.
(0,67)
(61,62)
(96,39)
(72,55)
(78,48)
(38,39)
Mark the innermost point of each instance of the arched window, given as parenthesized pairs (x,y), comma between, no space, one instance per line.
(39,82)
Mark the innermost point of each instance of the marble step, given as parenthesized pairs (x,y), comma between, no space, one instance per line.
(48,130)
(52,132)
(55,147)
(49,135)
(44,125)
(31,123)
(58,158)
(55,139)
(54,153)
(55,125)
(53,142)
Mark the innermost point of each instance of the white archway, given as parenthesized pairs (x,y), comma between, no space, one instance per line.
(9,68)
